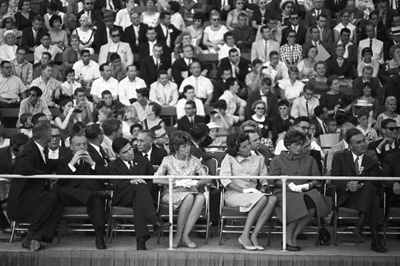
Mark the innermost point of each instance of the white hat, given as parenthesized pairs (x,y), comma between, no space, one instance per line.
(212,125)
(7,32)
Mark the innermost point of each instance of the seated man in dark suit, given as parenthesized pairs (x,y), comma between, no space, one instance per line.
(389,143)
(95,136)
(315,41)
(312,15)
(9,156)
(239,66)
(103,28)
(350,48)
(152,64)
(31,200)
(146,49)
(265,94)
(86,192)
(358,195)
(135,192)
(95,15)
(54,151)
(147,149)
(31,37)
(367,77)
(187,122)
(301,32)
(135,34)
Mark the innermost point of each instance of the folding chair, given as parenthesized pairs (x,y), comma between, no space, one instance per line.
(328,140)
(17,228)
(391,221)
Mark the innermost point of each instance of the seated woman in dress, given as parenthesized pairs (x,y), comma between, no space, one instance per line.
(222,118)
(153,119)
(292,87)
(196,29)
(150,16)
(52,9)
(72,53)
(341,67)
(306,66)
(8,50)
(333,100)
(58,36)
(85,34)
(24,17)
(186,196)
(214,34)
(366,60)
(7,23)
(319,83)
(303,201)
(242,193)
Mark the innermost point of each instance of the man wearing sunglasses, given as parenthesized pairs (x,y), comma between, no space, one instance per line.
(390,139)
(94,15)
(299,30)
(116,46)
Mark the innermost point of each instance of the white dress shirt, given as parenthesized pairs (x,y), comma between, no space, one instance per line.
(127,89)
(180,108)
(202,86)
(164,95)
(100,85)
(86,72)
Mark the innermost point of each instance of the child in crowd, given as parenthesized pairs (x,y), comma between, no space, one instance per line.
(26,121)
(369,133)
(366,60)
(331,126)
(69,86)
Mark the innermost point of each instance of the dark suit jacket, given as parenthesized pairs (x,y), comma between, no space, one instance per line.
(272,103)
(244,66)
(393,88)
(311,20)
(391,168)
(216,5)
(300,35)
(343,165)
(27,41)
(23,196)
(381,156)
(219,88)
(327,35)
(6,165)
(99,4)
(157,155)
(173,33)
(63,151)
(130,37)
(333,7)
(180,66)
(185,125)
(141,166)
(345,70)
(199,153)
(144,50)
(97,157)
(148,69)
(92,184)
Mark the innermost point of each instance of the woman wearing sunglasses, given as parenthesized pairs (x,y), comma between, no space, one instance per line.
(214,34)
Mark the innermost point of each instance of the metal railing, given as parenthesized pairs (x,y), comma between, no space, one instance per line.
(171,179)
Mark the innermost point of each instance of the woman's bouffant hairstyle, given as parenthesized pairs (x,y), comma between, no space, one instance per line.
(177,139)
(294,136)
(233,141)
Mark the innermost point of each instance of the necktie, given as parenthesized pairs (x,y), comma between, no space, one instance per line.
(104,155)
(357,166)
(157,64)
(370,43)
(189,62)
(34,36)
(308,114)
(168,39)
(320,34)
(130,165)
(266,51)
(136,35)
(316,14)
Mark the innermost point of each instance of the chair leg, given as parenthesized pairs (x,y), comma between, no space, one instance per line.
(270,232)
(318,227)
(335,228)
(13,225)
(384,232)
(221,223)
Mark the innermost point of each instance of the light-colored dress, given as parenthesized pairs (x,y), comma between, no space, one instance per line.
(215,36)
(196,34)
(86,38)
(59,37)
(306,72)
(172,166)
(239,166)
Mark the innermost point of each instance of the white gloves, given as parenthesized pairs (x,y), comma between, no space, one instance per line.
(186,183)
(298,188)
(250,190)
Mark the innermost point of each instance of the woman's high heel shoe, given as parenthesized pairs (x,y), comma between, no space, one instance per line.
(246,247)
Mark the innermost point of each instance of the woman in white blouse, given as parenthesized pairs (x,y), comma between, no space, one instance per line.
(292,87)
(214,34)
(85,34)
(150,17)
(345,23)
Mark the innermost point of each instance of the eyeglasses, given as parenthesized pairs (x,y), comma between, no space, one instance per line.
(240,3)
(115,35)
(33,95)
(7,67)
(260,108)
(188,108)
(89,3)
(55,136)
(215,19)
(262,3)
(392,128)
(290,7)
(305,128)
(21,54)
(295,18)
(164,136)
(292,36)
(9,22)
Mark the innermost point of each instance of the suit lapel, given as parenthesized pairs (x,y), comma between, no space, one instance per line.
(349,157)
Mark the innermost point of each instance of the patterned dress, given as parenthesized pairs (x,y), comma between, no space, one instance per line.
(172,166)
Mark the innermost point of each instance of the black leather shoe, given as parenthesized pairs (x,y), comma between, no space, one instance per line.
(291,248)
(377,246)
(141,242)
(100,244)
(160,226)
(27,244)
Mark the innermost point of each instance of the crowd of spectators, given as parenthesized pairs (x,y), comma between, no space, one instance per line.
(287,74)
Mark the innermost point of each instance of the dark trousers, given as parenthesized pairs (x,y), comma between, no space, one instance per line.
(3,219)
(46,217)
(142,204)
(215,198)
(366,200)
(70,196)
